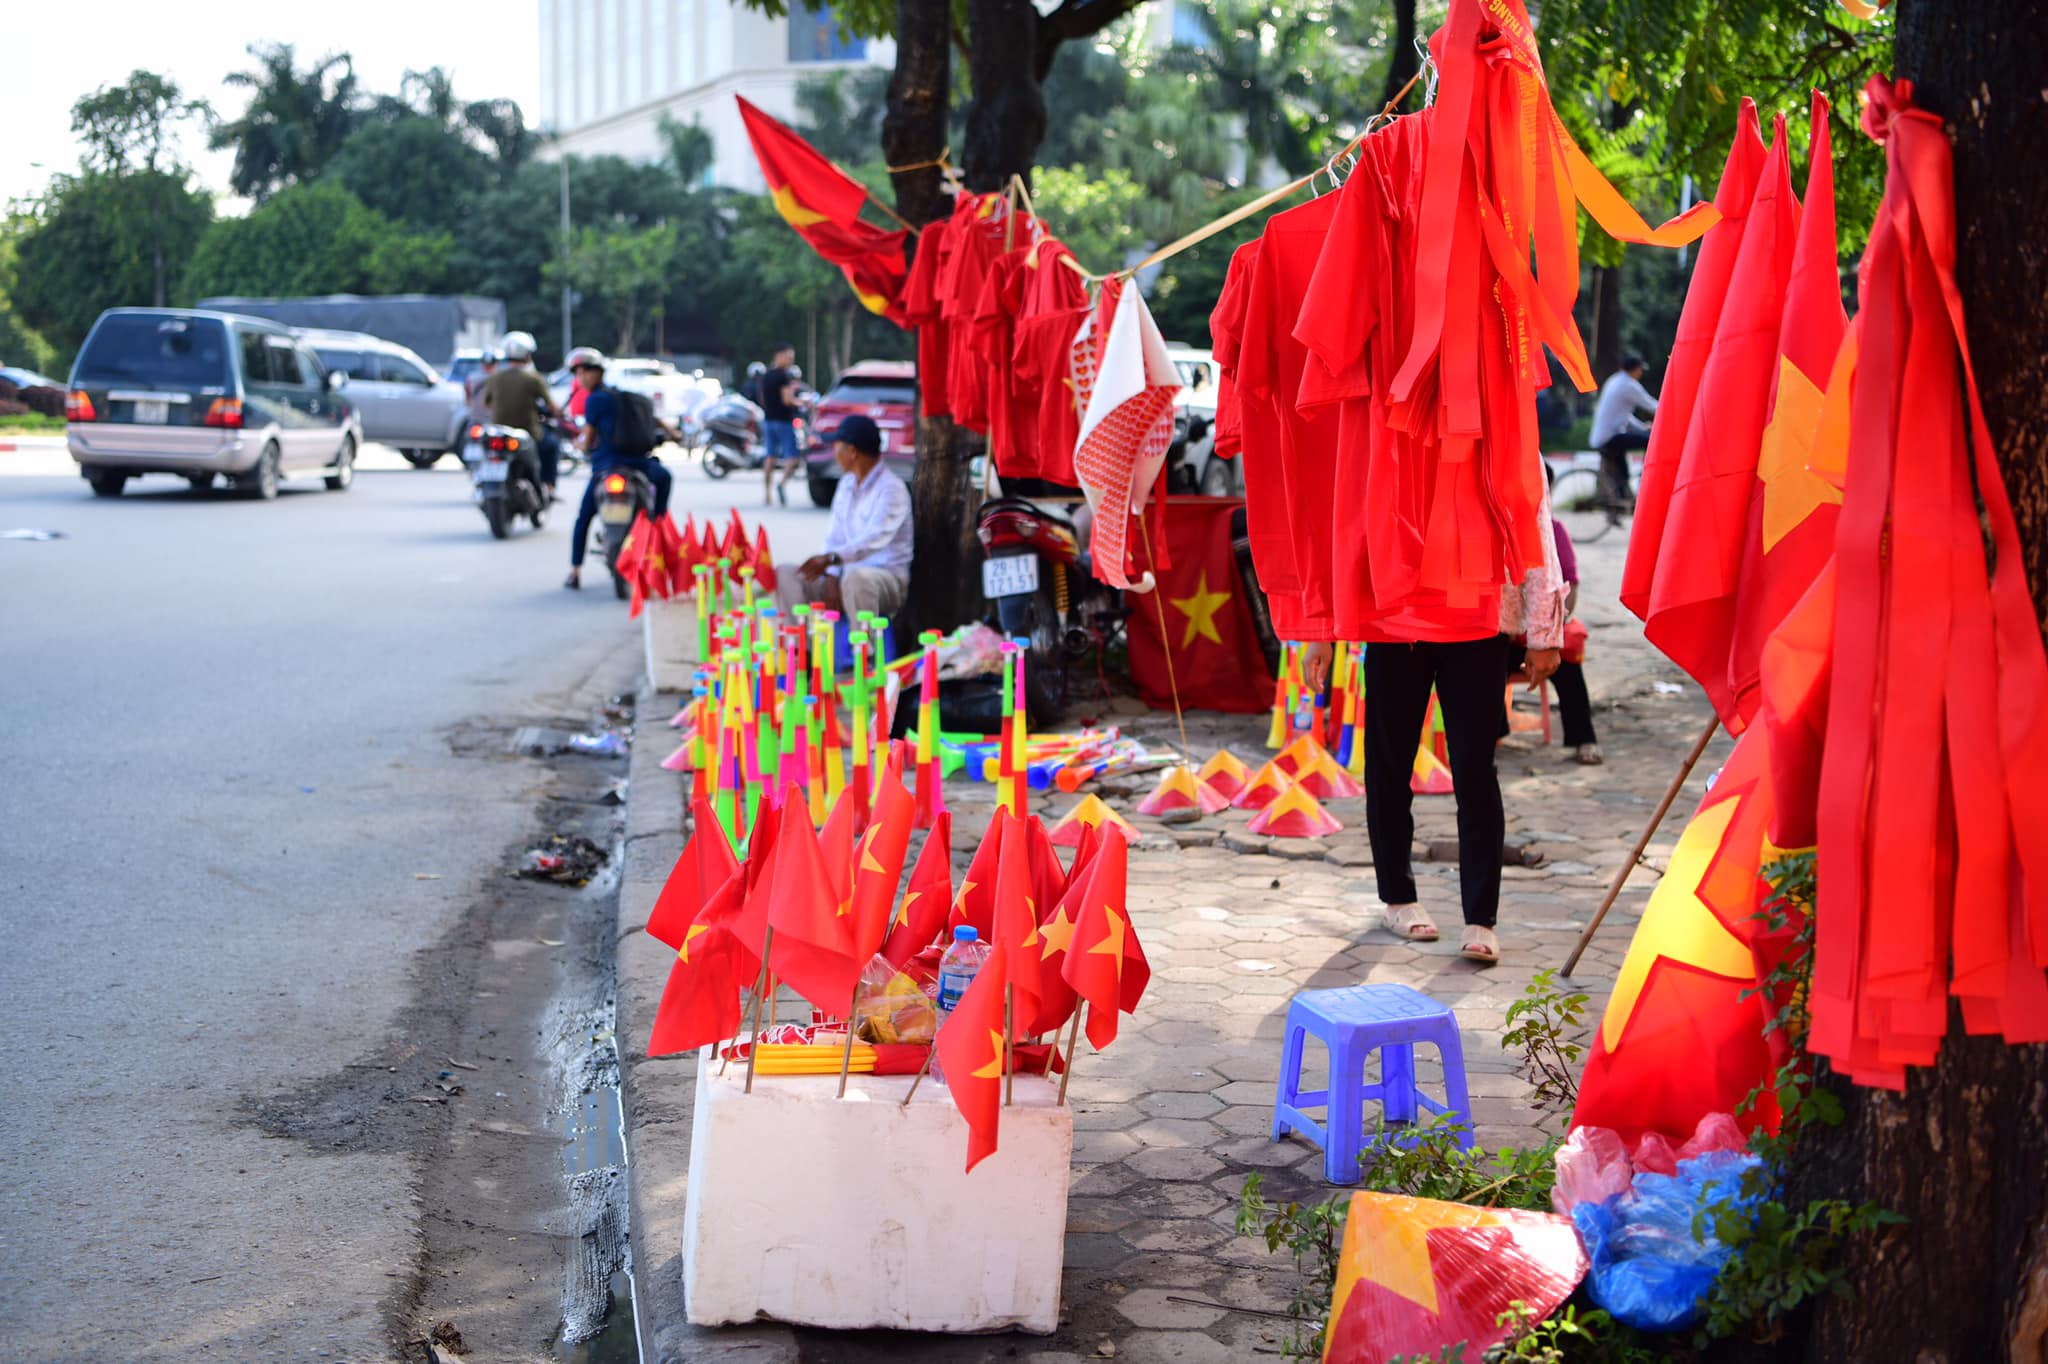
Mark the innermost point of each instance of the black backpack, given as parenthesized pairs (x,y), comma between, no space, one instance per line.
(634,430)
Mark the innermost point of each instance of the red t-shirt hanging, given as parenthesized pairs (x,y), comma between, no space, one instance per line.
(921,307)
(1054,307)
(1266,525)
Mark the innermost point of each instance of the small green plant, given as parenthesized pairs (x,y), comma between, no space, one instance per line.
(1548,1026)
(1313,1234)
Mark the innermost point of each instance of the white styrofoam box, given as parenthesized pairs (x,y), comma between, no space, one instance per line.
(669,633)
(857,1213)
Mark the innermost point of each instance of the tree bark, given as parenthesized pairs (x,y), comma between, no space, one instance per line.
(1963,1153)
(1402,62)
(1006,121)
(1606,321)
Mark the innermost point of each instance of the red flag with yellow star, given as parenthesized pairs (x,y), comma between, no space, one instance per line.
(975,902)
(1016,921)
(1209,635)
(1683,1034)
(707,862)
(1104,965)
(878,863)
(813,949)
(1056,937)
(927,900)
(970,1055)
(823,204)
(1417,1276)
(701,1002)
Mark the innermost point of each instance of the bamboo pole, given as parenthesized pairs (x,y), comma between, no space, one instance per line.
(1009,1043)
(923,1070)
(1621,874)
(846,1061)
(1073,1040)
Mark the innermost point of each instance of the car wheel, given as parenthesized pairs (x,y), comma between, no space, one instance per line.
(821,490)
(106,482)
(1218,480)
(261,481)
(343,472)
(200,482)
(422,459)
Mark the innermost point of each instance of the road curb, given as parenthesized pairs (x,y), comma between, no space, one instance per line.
(656,1093)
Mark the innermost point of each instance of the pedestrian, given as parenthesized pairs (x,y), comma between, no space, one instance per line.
(865,564)
(779,411)
(1574,704)
(1616,431)
(600,417)
(1468,675)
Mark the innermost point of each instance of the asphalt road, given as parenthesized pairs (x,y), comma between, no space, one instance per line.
(226,761)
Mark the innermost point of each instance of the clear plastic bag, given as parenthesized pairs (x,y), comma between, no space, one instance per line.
(1592,1167)
(891,1007)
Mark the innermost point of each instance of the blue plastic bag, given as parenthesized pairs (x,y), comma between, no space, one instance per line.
(1649,1270)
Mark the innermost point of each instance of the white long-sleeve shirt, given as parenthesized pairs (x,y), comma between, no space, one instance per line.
(1535,607)
(871,526)
(1621,397)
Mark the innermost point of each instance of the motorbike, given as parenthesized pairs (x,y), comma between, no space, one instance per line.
(624,494)
(1037,576)
(734,435)
(504,471)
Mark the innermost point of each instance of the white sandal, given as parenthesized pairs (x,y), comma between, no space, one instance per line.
(1409,922)
(1480,945)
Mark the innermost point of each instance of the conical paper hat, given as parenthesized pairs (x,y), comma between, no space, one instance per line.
(1431,777)
(1225,774)
(1320,774)
(1261,790)
(1179,790)
(1091,811)
(679,761)
(1294,814)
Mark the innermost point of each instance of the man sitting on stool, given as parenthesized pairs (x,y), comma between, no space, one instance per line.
(865,565)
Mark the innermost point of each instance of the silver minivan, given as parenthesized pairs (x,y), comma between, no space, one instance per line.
(199,395)
(402,401)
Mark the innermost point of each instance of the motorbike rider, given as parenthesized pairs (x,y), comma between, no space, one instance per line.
(751,389)
(473,386)
(599,414)
(517,396)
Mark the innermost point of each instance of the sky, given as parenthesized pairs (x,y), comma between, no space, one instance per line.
(51,54)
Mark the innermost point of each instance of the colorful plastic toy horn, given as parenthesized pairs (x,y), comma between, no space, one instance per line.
(931,794)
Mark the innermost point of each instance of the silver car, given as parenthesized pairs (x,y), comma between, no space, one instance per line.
(199,394)
(403,402)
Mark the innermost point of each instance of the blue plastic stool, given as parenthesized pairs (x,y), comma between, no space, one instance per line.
(1353,1023)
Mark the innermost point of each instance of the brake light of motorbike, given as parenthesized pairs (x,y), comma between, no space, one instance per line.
(225,412)
(476,433)
(615,484)
(499,443)
(78,406)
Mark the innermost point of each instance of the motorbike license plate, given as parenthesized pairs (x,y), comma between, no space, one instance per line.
(615,513)
(150,412)
(493,471)
(1010,576)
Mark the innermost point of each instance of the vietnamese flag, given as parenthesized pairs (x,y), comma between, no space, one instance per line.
(1104,964)
(823,203)
(813,920)
(701,1002)
(1016,922)
(706,864)
(764,561)
(1198,616)
(1048,877)
(878,865)
(1793,507)
(1693,595)
(1697,322)
(632,560)
(1056,935)
(975,903)
(970,1056)
(751,886)
(928,899)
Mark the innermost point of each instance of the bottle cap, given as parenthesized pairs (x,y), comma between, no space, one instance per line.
(965,933)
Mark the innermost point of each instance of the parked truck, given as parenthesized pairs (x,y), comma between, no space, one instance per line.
(433,326)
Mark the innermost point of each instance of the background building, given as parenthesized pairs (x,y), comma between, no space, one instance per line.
(609,70)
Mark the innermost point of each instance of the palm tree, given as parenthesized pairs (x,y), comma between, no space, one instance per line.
(430,92)
(295,120)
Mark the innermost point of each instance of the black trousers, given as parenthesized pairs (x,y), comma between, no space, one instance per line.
(1469,679)
(1614,474)
(1574,704)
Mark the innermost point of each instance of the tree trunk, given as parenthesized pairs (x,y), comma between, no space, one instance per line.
(1402,61)
(1962,1153)
(1006,121)
(914,133)
(1606,321)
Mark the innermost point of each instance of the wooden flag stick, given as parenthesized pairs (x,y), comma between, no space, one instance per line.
(923,1070)
(1621,874)
(1009,1043)
(846,1061)
(754,1042)
(760,984)
(1073,1040)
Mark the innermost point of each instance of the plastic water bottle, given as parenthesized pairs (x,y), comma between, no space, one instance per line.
(957,969)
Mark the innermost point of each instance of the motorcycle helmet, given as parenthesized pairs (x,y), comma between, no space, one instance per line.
(517,345)
(585,355)
(756,370)
(488,356)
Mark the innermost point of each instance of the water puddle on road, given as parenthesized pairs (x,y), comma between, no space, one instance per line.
(598,1320)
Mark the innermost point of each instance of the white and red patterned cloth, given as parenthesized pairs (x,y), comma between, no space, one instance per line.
(1126,382)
